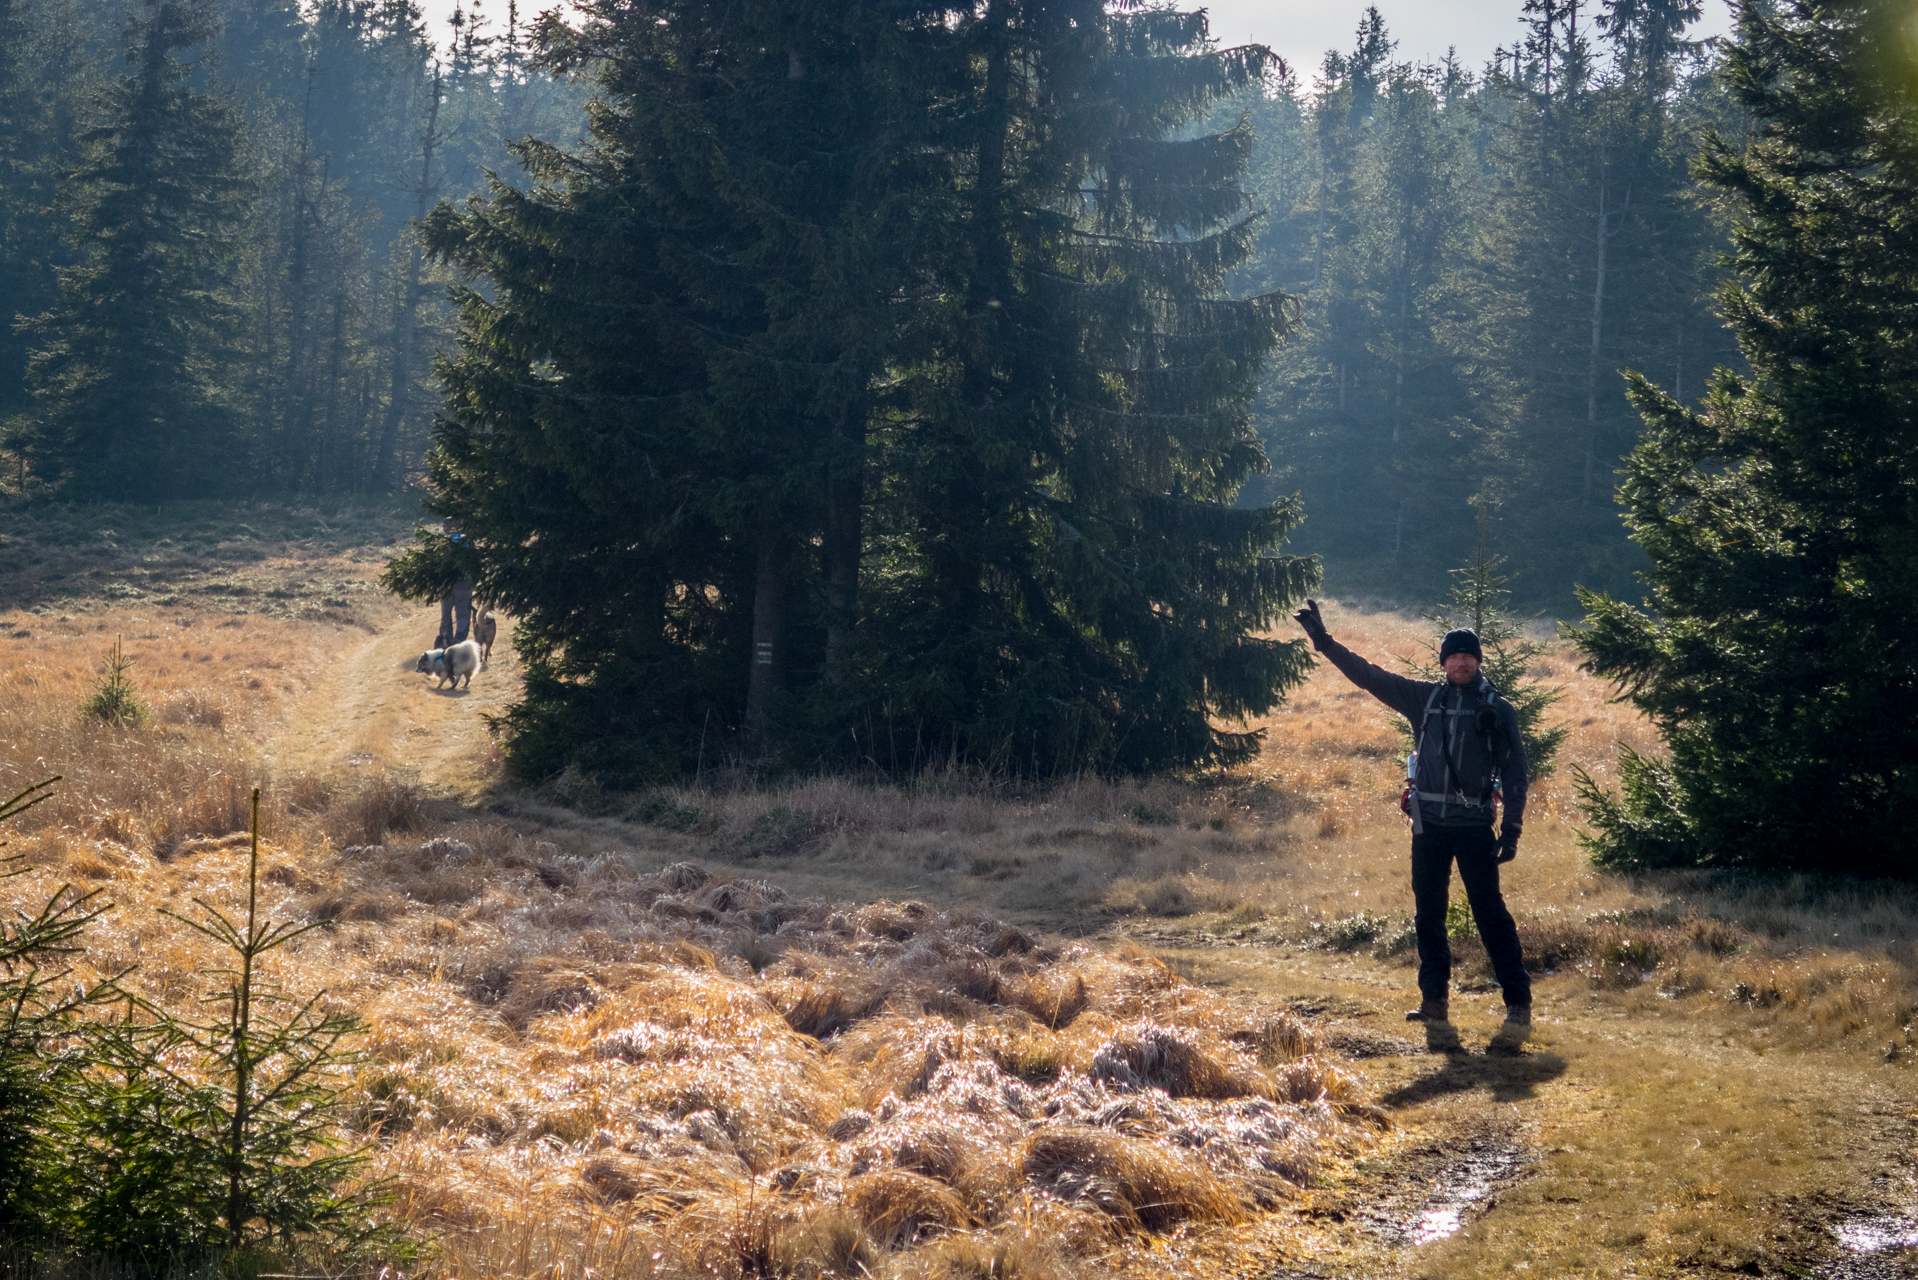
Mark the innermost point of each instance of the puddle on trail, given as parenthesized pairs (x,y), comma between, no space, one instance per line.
(1874,1244)
(1879,1232)
(1456,1189)
(1460,1189)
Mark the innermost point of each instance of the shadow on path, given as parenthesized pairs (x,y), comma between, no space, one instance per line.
(1505,1079)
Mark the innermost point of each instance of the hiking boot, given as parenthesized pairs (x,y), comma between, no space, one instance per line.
(1517,1029)
(1431,1011)
(1441,1037)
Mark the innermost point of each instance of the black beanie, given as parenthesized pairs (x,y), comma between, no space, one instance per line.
(1464,640)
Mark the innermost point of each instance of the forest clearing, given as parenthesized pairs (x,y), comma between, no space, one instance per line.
(957,1026)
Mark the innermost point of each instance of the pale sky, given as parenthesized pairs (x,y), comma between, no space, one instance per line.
(1300,31)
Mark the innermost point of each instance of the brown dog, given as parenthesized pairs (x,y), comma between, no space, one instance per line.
(485,627)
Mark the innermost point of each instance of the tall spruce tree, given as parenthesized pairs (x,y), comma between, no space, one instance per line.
(1064,579)
(1372,406)
(1775,652)
(43,72)
(132,378)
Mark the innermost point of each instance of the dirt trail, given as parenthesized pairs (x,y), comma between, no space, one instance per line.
(373,710)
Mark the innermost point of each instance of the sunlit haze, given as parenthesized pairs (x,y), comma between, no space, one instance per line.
(1301,33)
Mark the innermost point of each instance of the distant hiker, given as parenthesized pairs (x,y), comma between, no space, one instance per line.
(456,606)
(1468,757)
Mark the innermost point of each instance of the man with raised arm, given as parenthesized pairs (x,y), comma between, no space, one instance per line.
(1468,758)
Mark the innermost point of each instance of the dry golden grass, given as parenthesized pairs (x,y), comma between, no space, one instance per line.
(841,1027)
(576,1056)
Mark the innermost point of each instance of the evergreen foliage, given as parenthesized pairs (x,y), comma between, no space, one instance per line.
(115,699)
(134,378)
(1479,252)
(34,1011)
(156,1139)
(216,1134)
(1479,600)
(211,246)
(1775,649)
(866,390)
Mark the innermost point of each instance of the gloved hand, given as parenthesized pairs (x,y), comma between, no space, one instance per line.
(1508,841)
(1314,625)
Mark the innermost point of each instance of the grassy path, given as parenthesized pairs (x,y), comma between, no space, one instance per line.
(372,710)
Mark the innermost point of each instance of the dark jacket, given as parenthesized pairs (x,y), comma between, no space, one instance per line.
(1450,748)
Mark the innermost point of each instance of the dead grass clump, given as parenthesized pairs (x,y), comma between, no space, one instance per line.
(1283,1039)
(547,985)
(192,708)
(975,1256)
(1149,1056)
(382,803)
(929,1142)
(352,904)
(1144,1185)
(819,1009)
(828,1245)
(898,1209)
(898,922)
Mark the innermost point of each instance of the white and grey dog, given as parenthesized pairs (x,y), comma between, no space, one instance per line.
(451,663)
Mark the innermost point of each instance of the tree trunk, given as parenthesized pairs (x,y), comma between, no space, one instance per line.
(1598,332)
(769,639)
(1405,325)
(327,472)
(1318,235)
(845,534)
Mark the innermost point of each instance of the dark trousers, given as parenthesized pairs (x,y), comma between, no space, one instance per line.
(1475,849)
(456,614)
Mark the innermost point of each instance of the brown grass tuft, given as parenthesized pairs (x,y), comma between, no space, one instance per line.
(381,804)
(987,1257)
(1149,1056)
(1142,1185)
(898,1208)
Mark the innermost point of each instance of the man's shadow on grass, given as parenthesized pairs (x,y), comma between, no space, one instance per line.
(1507,1079)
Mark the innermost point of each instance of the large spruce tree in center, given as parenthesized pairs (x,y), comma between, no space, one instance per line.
(866,389)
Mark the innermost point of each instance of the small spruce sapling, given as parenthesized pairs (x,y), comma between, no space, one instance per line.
(114,698)
(1478,600)
(220,1134)
(35,1014)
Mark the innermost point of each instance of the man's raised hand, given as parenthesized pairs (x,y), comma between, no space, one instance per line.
(1314,625)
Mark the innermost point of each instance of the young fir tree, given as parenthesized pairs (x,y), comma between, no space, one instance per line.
(133,384)
(1479,600)
(215,1133)
(37,1007)
(1774,652)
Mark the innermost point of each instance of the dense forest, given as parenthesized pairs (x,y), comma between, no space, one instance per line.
(1477,254)
(207,254)
(209,260)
